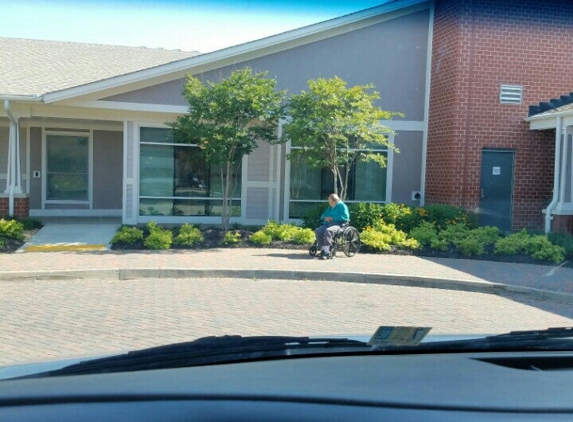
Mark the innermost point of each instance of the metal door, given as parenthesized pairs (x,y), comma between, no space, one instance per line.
(496,203)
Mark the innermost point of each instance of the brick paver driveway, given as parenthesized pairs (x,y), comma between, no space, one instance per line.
(61,318)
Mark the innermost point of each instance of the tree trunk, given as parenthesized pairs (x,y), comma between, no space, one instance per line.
(225,187)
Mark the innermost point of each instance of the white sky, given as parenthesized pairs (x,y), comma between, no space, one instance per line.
(173,24)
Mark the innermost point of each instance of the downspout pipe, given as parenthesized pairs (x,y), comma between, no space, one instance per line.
(556,174)
(13,158)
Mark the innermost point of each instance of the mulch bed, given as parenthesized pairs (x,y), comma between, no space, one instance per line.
(213,239)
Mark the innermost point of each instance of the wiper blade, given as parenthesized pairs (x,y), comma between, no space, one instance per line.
(209,351)
(560,338)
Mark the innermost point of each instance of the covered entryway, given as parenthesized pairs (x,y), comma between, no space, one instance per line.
(559,212)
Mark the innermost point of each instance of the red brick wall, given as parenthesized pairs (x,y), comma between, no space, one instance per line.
(21,207)
(477,46)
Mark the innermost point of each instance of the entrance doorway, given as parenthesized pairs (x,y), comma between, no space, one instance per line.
(496,199)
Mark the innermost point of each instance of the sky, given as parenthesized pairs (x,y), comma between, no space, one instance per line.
(189,25)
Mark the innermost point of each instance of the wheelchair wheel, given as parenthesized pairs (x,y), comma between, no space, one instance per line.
(313,250)
(350,241)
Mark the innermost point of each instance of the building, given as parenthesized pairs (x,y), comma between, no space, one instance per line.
(92,138)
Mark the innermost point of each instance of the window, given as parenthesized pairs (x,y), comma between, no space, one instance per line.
(174,180)
(311,186)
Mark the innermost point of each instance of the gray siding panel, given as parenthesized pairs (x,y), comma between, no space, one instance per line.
(258,205)
(36,165)
(407,174)
(259,164)
(108,169)
(391,55)
(4,135)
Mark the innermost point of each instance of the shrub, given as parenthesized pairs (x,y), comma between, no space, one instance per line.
(445,215)
(475,241)
(454,233)
(11,229)
(513,244)
(158,238)
(278,231)
(231,237)
(542,249)
(261,238)
(424,233)
(363,215)
(382,236)
(537,246)
(565,240)
(303,236)
(127,235)
(188,235)
(311,217)
(28,223)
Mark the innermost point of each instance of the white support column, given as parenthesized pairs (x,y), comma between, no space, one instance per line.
(14,177)
(556,174)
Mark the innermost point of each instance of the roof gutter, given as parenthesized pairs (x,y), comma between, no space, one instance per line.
(556,177)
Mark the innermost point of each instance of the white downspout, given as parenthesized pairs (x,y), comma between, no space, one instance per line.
(13,158)
(556,174)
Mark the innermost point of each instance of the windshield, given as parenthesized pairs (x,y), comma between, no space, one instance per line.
(341,168)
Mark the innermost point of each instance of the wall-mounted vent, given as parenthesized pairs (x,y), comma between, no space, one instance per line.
(510,94)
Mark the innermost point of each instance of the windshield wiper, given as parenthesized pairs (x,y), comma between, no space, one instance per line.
(549,339)
(209,351)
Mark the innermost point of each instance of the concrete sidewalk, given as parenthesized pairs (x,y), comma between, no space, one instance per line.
(535,281)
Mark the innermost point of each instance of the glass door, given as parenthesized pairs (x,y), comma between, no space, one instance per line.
(67,168)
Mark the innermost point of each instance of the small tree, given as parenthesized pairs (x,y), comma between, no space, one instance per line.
(334,126)
(226,120)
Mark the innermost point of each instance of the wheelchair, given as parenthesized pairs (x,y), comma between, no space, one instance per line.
(346,239)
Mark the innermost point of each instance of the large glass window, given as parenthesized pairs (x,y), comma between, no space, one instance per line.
(175,181)
(67,168)
(310,186)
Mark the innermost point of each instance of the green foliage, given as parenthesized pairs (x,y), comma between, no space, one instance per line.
(127,235)
(565,240)
(538,246)
(261,238)
(27,222)
(11,229)
(188,235)
(231,238)
(311,218)
(303,236)
(278,231)
(227,119)
(333,126)
(382,236)
(444,215)
(158,238)
(364,214)
(425,233)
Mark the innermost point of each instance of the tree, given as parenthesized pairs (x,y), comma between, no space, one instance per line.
(226,119)
(334,126)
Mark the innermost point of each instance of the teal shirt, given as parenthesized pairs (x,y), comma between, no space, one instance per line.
(339,213)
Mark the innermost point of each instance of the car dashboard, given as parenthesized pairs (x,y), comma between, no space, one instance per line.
(415,387)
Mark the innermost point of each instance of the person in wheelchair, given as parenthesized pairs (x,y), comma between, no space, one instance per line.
(332,220)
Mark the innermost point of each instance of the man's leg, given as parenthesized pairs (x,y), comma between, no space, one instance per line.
(319,233)
(331,230)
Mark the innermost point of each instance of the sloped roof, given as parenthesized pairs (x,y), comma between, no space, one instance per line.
(36,67)
(554,105)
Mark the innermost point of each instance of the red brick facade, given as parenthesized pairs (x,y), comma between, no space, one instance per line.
(21,207)
(479,45)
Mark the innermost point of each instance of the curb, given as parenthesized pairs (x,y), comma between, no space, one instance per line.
(366,278)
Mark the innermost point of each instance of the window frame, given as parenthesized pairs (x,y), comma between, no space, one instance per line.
(177,218)
(287,183)
(87,133)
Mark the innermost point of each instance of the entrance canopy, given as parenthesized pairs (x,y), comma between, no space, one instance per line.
(558,115)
